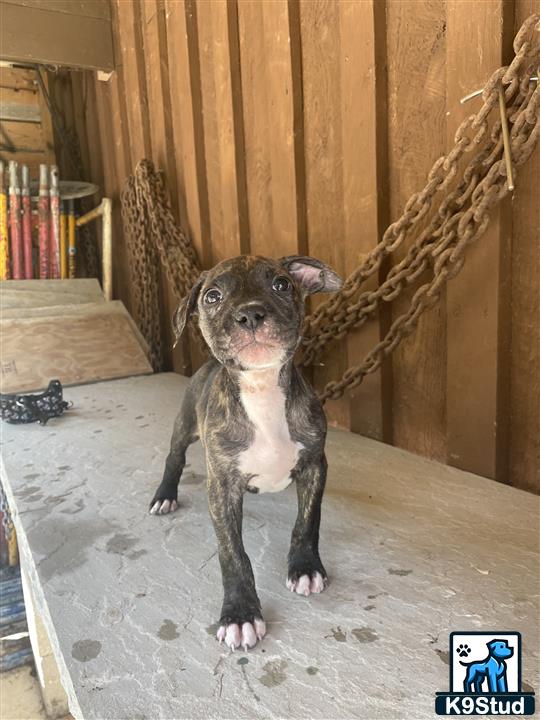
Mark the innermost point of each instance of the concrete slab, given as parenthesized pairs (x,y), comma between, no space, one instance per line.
(414,550)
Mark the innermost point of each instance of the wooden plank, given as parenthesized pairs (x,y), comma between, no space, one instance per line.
(188,130)
(154,30)
(478,300)
(417,137)
(83,8)
(22,137)
(270,122)
(364,171)
(323,159)
(41,293)
(128,16)
(37,35)
(21,105)
(88,123)
(72,348)
(19,113)
(18,78)
(80,307)
(188,134)
(114,127)
(524,470)
(46,123)
(222,118)
(33,160)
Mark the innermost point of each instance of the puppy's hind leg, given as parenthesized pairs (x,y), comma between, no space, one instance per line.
(165,498)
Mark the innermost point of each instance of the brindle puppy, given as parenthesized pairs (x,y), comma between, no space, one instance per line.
(260,422)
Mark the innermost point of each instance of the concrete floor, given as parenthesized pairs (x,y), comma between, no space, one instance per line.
(414,551)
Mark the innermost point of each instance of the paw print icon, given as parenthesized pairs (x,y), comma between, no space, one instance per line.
(463,650)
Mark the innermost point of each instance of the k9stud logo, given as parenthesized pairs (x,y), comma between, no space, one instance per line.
(485,676)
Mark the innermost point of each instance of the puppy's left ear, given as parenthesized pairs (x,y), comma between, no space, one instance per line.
(313,275)
(186,307)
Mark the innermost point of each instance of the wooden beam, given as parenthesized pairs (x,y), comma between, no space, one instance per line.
(44,35)
(271,119)
(223,128)
(478,300)
(524,470)
(154,32)
(365,191)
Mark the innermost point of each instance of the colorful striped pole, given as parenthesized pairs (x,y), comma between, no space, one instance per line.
(63,243)
(4,247)
(43,220)
(26,223)
(71,240)
(15,222)
(55,225)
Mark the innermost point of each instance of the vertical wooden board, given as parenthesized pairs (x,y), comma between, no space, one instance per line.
(128,15)
(320,35)
(269,119)
(162,152)
(114,127)
(95,152)
(188,132)
(524,471)
(416,138)
(363,128)
(478,298)
(103,141)
(221,93)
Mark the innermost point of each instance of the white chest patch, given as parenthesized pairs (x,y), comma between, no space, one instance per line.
(272,454)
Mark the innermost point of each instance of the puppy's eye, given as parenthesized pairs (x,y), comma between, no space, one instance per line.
(212,296)
(281,284)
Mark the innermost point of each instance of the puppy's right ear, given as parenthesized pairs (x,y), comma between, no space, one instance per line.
(186,307)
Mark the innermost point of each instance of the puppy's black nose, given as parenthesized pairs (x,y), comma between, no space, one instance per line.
(250,316)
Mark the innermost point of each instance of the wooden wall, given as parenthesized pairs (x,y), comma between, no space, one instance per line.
(26,133)
(304,127)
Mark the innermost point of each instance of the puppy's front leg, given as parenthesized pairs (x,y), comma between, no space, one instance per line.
(306,572)
(241,622)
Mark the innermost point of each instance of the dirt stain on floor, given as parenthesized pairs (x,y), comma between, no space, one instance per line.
(365,634)
(85,650)
(168,630)
(274,673)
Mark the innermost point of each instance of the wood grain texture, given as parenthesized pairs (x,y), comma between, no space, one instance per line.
(287,127)
(478,299)
(44,35)
(270,123)
(223,128)
(417,137)
(42,293)
(154,32)
(524,465)
(75,349)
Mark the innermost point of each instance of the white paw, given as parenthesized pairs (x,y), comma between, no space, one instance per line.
(162,507)
(245,636)
(306,585)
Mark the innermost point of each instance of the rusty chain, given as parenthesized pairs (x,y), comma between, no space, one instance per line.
(460,219)
(153,237)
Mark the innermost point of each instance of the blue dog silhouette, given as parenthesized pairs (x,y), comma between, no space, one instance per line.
(493,668)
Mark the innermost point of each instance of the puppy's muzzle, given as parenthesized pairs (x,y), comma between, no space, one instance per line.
(250,317)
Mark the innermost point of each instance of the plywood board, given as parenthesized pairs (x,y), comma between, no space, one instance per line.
(114,307)
(74,348)
(46,293)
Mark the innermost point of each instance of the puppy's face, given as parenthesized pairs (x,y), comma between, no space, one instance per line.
(251,309)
